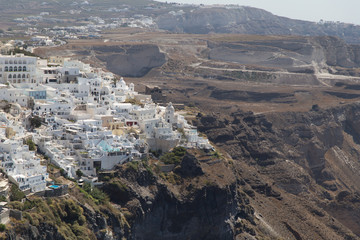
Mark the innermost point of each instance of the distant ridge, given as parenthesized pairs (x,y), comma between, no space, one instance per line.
(249,20)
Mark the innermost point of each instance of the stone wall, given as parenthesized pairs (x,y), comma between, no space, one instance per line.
(15,214)
(62,190)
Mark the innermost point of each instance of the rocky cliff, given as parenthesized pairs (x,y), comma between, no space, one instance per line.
(310,157)
(130,60)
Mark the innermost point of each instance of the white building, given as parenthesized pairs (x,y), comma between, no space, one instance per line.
(22,166)
(14,95)
(18,69)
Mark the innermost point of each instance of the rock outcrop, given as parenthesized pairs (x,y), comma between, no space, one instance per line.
(130,60)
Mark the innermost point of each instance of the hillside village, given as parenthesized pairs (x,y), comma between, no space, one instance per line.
(81,119)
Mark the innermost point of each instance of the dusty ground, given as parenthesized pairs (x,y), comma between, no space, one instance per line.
(189,76)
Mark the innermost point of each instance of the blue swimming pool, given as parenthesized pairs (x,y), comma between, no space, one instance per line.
(54,186)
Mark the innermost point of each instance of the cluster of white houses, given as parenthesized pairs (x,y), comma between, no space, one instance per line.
(20,164)
(89,120)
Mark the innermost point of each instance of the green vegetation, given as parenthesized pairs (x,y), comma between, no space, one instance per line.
(134,165)
(35,122)
(31,144)
(2,227)
(174,157)
(216,154)
(99,196)
(15,193)
(156,153)
(118,191)
(3,198)
(79,173)
(250,76)
(171,177)
(145,163)
(66,215)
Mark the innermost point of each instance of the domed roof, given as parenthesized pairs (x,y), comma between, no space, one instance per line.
(16,106)
(170,106)
(122,81)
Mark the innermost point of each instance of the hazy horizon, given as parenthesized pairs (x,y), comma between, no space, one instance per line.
(327,10)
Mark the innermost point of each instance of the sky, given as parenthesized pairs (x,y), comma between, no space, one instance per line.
(347,11)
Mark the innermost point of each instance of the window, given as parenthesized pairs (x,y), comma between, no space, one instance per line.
(10,69)
(24,68)
(10,76)
(6,69)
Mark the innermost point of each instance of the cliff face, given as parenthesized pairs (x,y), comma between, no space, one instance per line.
(130,60)
(201,204)
(310,157)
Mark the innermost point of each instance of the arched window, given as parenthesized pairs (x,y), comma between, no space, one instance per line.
(15,69)
(19,81)
(11,62)
(10,69)
(19,75)
(15,62)
(23,76)
(6,69)
(28,76)
(6,62)
(24,68)
(10,76)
